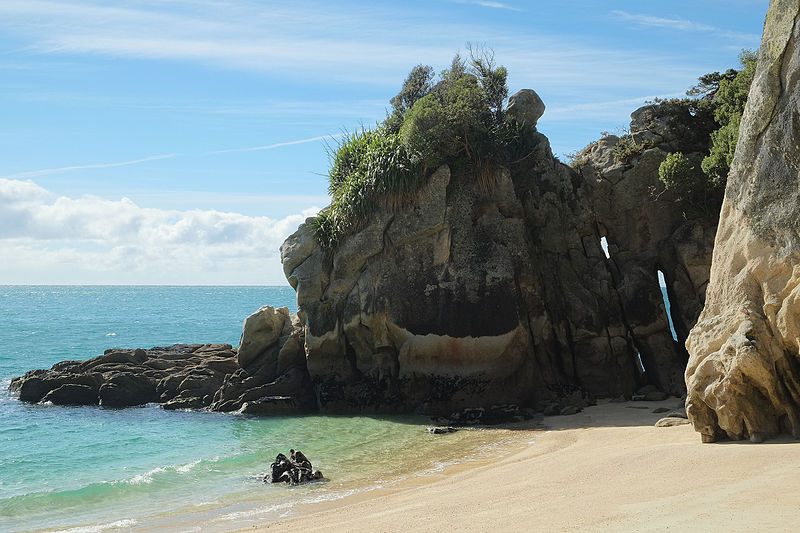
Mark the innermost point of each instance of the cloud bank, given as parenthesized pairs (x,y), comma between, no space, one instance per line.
(90,240)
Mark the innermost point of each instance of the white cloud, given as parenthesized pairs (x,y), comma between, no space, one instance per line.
(486,3)
(682,25)
(95,240)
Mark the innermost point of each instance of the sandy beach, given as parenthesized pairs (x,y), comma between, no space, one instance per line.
(605,469)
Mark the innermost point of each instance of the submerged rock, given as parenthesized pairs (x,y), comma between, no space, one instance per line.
(292,470)
(743,376)
(441,430)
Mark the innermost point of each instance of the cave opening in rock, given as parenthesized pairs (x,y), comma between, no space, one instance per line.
(604,246)
(662,285)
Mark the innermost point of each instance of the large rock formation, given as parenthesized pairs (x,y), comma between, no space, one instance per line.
(743,376)
(266,375)
(491,291)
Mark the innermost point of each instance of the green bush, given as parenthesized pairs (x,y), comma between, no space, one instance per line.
(684,178)
(729,100)
(458,120)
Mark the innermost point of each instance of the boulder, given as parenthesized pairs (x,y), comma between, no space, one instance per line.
(671,421)
(525,107)
(743,376)
(292,470)
(441,430)
(72,394)
(127,389)
(261,331)
(272,405)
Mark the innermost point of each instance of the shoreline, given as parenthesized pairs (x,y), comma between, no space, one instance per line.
(605,468)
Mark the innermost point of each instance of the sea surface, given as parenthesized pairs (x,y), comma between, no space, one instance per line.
(89,469)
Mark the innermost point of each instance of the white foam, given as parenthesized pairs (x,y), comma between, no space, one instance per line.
(112,334)
(147,477)
(119,524)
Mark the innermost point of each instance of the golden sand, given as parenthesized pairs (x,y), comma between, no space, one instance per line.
(605,469)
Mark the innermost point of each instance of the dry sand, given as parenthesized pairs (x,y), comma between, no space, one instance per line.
(606,469)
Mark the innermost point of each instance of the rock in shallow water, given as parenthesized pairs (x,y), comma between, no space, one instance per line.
(185,376)
(292,470)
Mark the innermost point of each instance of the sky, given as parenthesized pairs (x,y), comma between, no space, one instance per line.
(181,141)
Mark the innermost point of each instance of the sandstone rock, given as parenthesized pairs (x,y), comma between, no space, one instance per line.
(261,331)
(525,107)
(671,421)
(494,289)
(744,373)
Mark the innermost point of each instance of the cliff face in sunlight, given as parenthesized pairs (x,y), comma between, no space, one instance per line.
(743,376)
(494,290)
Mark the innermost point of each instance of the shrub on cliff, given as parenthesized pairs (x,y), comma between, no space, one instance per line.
(459,120)
(729,100)
(689,184)
(725,95)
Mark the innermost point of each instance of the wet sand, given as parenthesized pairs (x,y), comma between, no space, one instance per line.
(605,469)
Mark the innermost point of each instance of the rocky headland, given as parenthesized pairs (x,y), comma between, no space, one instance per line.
(480,292)
(497,290)
(490,286)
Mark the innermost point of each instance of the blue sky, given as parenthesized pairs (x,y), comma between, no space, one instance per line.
(180,141)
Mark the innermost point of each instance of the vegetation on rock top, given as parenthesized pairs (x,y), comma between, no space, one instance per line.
(457,119)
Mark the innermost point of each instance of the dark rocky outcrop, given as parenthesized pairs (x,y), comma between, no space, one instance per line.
(292,470)
(743,376)
(496,290)
(265,375)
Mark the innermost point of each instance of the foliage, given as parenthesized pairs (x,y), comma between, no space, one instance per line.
(417,84)
(628,147)
(709,83)
(729,100)
(684,178)
(368,168)
(459,120)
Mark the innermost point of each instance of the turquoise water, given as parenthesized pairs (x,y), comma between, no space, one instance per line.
(93,469)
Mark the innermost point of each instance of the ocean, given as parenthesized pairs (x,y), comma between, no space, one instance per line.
(90,469)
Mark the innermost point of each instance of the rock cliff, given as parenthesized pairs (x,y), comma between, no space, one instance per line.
(743,376)
(497,290)
(490,287)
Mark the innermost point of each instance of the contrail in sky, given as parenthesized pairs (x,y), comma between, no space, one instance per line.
(46,171)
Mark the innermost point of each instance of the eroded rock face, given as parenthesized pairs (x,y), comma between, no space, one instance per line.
(743,376)
(272,380)
(498,291)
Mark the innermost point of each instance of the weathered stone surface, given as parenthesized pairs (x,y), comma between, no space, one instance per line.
(496,290)
(73,394)
(671,421)
(525,107)
(261,332)
(189,376)
(743,376)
